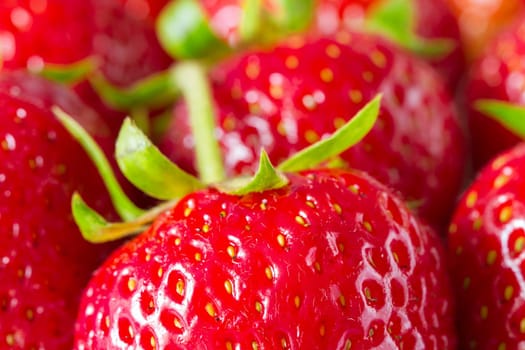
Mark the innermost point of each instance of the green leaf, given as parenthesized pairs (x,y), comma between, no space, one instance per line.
(69,73)
(511,116)
(266,178)
(341,140)
(155,91)
(395,19)
(148,169)
(123,205)
(184,32)
(251,20)
(95,229)
(296,15)
(193,83)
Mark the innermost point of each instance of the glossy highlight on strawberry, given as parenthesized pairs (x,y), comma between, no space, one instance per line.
(332,261)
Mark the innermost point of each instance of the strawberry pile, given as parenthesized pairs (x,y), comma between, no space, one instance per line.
(262,174)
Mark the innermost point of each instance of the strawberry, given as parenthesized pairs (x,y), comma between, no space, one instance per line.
(289,97)
(123,47)
(45,263)
(427,19)
(486,254)
(332,260)
(495,75)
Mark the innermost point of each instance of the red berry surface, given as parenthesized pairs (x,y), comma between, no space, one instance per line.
(331,261)
(287,98)
(486,251)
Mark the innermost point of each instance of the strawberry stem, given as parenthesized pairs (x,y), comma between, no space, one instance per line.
(510,115)
(192,81)
(126,209)
(148,169)
(345,137)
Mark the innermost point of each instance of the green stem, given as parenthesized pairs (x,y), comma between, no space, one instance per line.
(191,79)
(123,205)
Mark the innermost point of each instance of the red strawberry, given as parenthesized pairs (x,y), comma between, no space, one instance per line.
(486,253)
(44,262)
(432,19)
(497,74)
(290,97)
(330,261)
(35,35)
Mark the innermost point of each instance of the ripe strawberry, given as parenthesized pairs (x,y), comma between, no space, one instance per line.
(44,262)
(497,74)
(332,260)
(125,47)
(486,254)
(295,94)
(432,19)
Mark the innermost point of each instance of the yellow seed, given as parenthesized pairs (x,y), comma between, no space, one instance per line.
(297,301)
(229,345)
(519,244)
(284,343)
(187,211)
(348,345)
(484,312)
(499,162)
(132,284)
(322,330)
(343,37)
(459,250)
(198,257)
(333,51)
(263,205)
(291,62)
(508,293)
(177,323)
(502,346)
(491,257)
(152,342)
(300,220)
(10,339)
(505,214)
(327,75)
(311,136)
(339,122)
(337,208)
(378,58)
(453,228)
(231,251)
(317,266)
(160,272)
(522,326)
(342,300)
(472,197)
(228,286)
(179,287)
(252,70)
(276,91)
(258,306)
(478,222)
(368,226)
(106,321)
(281,240)
(355,96)
(466,282)
(30,314)
(210,309)
(205,228)
(268,272)
(255,346)
(500,181)
(368,76)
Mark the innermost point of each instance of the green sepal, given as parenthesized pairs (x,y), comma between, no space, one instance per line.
(342,139)
(148,169)
(126,209)
(395,19)
(266,178)
(183,31)
(96,229)
(252,19)
(192,80)
(69,73)
(509,115)
(155,91)
(295,16)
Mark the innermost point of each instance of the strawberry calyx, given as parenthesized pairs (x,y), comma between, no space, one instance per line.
(508,114)
(395,20)
(67,73)
(184,32)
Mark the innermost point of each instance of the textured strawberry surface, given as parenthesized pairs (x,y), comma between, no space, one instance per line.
(332,261)
(288,98)
(497,74)
(44,263)
(486,250)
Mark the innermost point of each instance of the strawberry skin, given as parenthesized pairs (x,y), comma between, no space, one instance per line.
(496,74)
(287,98)
(45,263)
(331,261)
(486,254)
(433,19)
